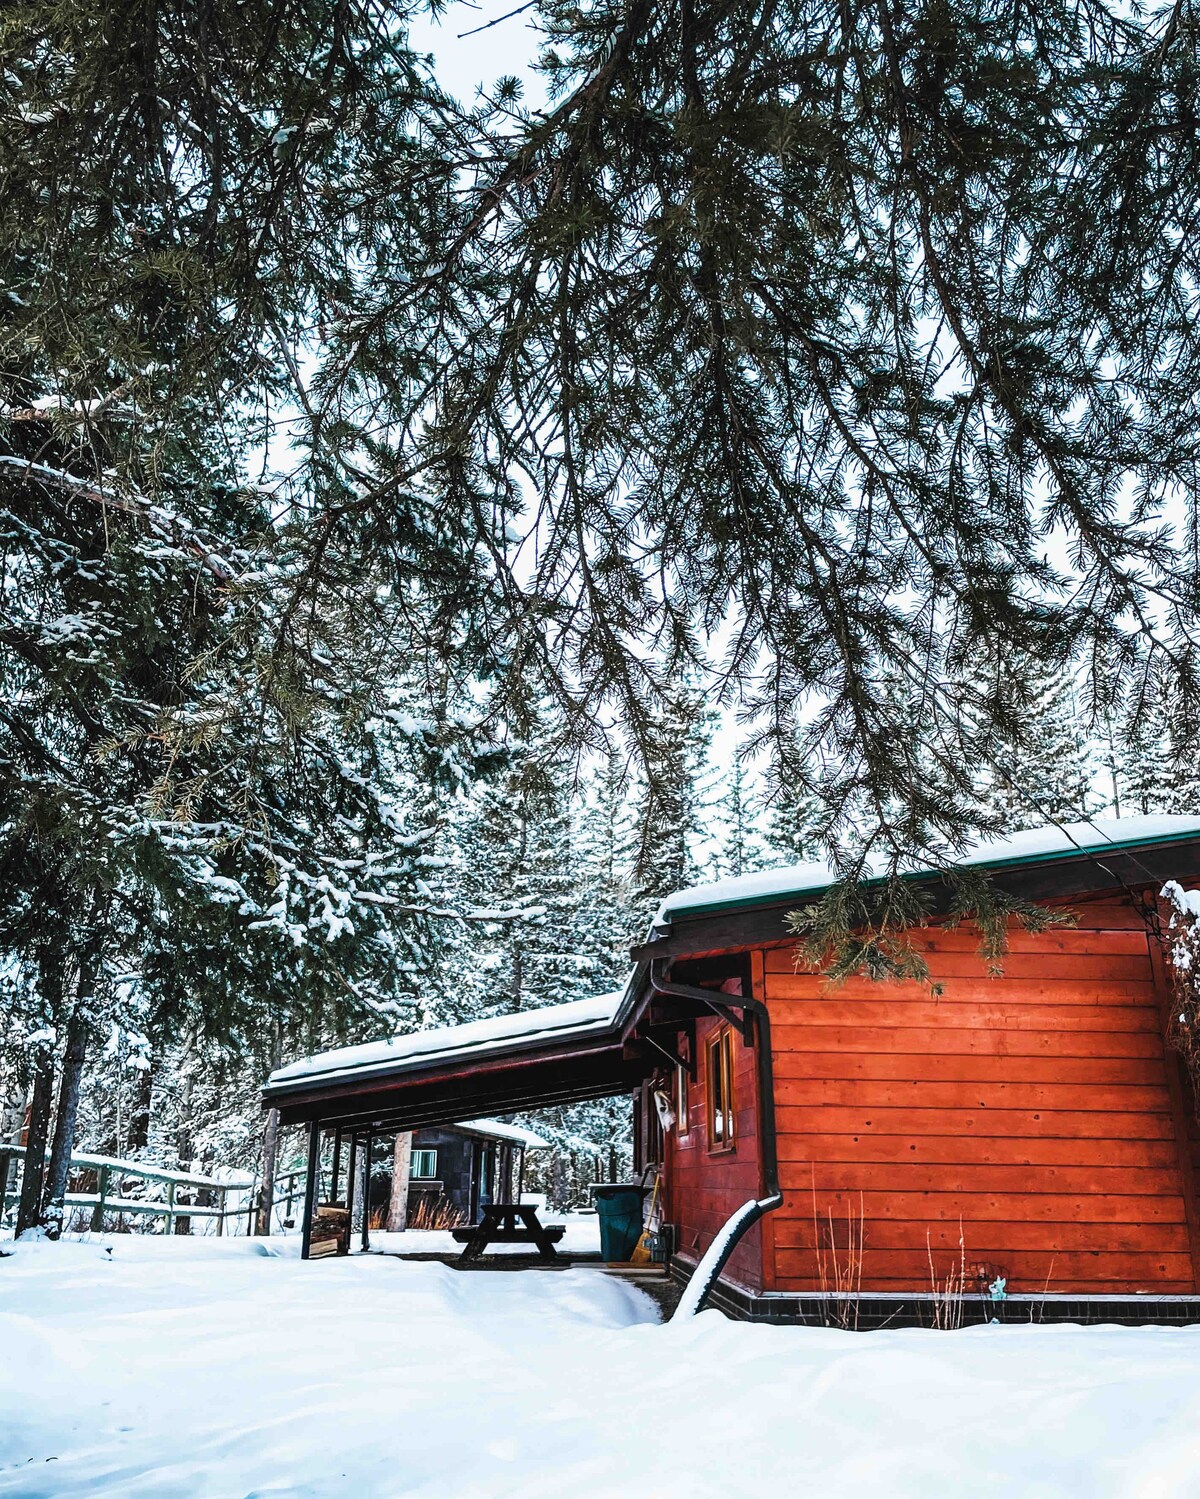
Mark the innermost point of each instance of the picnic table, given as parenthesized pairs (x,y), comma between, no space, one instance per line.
(499,1225)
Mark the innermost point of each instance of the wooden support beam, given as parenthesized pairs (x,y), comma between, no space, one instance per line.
(351,1170)
(335,1179)
(366,1223)
(310,1183)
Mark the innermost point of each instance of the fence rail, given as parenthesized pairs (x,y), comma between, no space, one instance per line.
(111,1178)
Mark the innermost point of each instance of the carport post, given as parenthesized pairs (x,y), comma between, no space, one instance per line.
(366,1223)
(310,1184)
(351,1169)
(337,1164)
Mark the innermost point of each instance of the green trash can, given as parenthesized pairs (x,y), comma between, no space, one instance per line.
(619,1208)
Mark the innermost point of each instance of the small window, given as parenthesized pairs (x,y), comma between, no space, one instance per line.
(721,1128)
(424,1165)
(683,1121)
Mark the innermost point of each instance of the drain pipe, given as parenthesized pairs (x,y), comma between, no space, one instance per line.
(754,1012)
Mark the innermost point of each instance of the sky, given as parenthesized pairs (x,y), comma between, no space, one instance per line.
(463,63)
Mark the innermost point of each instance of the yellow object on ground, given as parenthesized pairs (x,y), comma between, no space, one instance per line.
(641,1250)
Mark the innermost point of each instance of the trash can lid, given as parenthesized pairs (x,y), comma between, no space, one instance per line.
(615,1189)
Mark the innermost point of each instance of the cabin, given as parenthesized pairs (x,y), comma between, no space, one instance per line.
(1023,1144)
(463,1167)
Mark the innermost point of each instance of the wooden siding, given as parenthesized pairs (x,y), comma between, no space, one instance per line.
(704,1187)
(1034,1115)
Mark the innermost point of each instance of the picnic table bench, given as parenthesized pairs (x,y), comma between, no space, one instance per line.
(499,1225)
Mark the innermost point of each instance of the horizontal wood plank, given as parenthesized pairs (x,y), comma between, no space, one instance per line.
(996,1123)
(995,1238)
(1111,936)
(919,1176)
(900,1014)
(1039,1270)
(965,1149)
(915,1067)
(951,1040)
(1103,1098)
(1002,1207)
(961,991)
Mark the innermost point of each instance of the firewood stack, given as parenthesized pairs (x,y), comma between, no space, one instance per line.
(330,1230)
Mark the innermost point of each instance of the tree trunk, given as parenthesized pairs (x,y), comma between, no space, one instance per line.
(266,1190)
(29,1209)
(397,1218)
(139,1119)
(64,1123)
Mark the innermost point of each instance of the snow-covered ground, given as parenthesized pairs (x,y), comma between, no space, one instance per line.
(212,1368)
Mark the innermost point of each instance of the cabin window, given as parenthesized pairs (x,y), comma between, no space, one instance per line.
(424,1165)
(721,1127)
(683,1121)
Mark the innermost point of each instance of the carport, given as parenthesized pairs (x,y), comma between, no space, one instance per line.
(559,1054)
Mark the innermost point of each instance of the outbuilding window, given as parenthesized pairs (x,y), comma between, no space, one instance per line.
(424,1165)
(721,1129)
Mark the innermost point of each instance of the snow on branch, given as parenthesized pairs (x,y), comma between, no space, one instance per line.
(160,522)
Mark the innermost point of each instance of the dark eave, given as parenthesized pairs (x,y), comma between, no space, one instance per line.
(444,1092)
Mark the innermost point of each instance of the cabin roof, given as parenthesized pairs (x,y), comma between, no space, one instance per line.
(1038,845)
(497,1129)
(577,1020)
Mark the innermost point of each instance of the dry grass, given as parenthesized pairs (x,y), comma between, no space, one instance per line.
(839,1267)
(949,1295)
(436,1212)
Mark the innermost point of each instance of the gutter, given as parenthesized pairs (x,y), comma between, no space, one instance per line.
(755,1024)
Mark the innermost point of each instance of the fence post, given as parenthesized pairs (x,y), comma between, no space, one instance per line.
(221,1204)
(171,1207)
(98,1210)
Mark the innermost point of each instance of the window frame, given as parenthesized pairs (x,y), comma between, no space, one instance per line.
(718,1064)
(683,1100)
(423,1176)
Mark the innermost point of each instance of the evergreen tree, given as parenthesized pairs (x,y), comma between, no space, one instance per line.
(605,845)
(1045,768)
(741,819)
(672,804)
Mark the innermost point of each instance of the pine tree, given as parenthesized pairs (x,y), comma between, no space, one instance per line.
(741,850)
(1046,768)
(673,800)
(605,848)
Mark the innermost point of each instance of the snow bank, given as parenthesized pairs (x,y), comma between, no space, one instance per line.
(206,1370)
(580,1017)
(1038,843)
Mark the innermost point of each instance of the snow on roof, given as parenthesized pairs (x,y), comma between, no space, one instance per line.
(580,1017)
(498,1130)
(1019,848)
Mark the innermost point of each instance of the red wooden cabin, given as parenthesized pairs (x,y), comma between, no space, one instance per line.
(1031,1133)
(1032,1129)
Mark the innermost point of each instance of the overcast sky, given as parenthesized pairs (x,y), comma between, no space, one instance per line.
(464,63)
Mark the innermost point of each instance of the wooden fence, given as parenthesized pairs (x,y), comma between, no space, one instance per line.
(178,1198)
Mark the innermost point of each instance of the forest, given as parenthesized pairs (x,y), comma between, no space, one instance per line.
(433,529)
